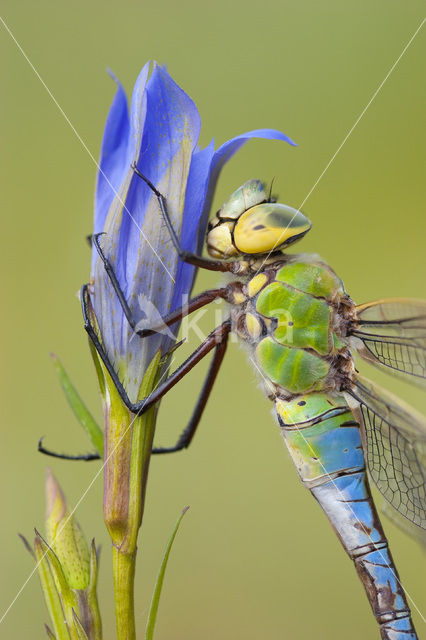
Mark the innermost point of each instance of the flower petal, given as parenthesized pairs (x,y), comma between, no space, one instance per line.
(192,236)
(225,153)
(164,130)
(171,128)
(161,136)
(227,150)
(112,158)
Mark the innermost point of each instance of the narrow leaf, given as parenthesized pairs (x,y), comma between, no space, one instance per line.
(27,545)
(68,596)
(152,617)
(82,635)
(49,633)
(45,552)
(80,410)
(50,591)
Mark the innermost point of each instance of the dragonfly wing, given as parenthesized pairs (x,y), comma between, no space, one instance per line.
(410,529)
(395,444)
(392,333)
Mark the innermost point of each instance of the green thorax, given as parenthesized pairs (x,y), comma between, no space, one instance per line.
(292,318)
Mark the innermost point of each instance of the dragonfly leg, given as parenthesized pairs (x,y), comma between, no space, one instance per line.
(186,256)
(64,456)
(192,305)
(196,303)
(215,337)
(188,433)
(114,281)
(87,311)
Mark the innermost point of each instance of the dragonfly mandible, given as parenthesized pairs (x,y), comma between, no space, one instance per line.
(302,330)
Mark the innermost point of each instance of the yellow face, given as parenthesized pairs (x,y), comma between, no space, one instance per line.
(219,240)
(262,228)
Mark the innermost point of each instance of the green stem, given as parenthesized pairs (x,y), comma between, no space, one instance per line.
(124,565)
(124,556)
(127,451)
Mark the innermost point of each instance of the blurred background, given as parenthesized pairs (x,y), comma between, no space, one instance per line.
(255,557)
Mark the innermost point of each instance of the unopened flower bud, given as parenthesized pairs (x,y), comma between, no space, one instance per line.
(65,536)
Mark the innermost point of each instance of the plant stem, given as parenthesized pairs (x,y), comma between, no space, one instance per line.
(127,451)
(124,565)
(124,557)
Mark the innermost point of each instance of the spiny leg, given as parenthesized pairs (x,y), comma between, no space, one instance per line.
(114,281)
(85,302)
(212,340)
(64,456)
(186,256)
(188,433)
(203,299)
(216,340)
(215,337)
(196,303)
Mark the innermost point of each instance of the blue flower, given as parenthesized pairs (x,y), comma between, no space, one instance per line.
(160,134)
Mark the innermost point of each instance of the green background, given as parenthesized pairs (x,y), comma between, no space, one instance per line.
(255,558)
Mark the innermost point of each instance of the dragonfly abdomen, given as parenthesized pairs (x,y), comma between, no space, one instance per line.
(324,442)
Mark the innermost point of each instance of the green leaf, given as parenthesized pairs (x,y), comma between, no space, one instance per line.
(49,633)
(80,410)
(152,617)
(27,546)
(82,635)
(50,589)
(92,600)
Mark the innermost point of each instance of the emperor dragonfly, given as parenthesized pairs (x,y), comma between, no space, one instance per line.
(301,328)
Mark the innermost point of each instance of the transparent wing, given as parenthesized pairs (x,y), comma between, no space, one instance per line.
(410,529)
(392,333)
(395,444)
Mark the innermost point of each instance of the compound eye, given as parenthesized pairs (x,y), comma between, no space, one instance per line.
(247,196)
(269,227)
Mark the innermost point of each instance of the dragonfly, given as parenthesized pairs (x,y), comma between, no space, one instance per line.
(302,331)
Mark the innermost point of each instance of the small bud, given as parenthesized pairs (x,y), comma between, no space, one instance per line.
(65,536)
(68,571)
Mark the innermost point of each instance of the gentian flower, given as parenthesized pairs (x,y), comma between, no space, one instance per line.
(160,135)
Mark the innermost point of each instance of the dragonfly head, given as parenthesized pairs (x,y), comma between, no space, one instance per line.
(249,223)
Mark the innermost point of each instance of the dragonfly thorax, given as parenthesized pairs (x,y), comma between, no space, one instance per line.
(249,223)
(293,316)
